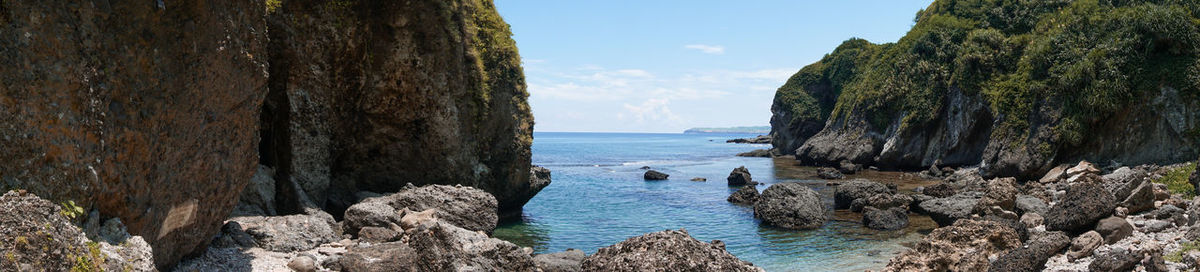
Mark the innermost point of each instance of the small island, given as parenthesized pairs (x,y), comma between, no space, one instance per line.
(746,130)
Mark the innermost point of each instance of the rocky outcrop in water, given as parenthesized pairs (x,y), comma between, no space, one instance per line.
(791,205)
(745,195)
(670,250)
(739,177)
(655,175)
(761,139)
(855,189)
(145,112)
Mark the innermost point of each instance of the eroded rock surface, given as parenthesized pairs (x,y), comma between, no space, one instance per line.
(461,206)
(670,250)
(791,205)
(965,246)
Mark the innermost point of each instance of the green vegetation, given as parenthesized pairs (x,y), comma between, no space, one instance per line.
(1184,247)
(92,261)
(1089,59)
(273,5)
(70,210)
(1177,181)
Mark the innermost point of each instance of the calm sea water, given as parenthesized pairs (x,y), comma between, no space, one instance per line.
(598,198)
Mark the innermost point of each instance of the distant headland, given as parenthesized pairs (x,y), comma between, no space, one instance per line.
(749,130)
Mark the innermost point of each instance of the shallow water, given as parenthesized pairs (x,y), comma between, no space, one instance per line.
(598,198)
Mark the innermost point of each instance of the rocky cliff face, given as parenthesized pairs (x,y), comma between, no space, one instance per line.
(1001,86)
(371,95)
(143,111)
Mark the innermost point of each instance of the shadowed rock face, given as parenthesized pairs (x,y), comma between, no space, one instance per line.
(371,95)
(145,112)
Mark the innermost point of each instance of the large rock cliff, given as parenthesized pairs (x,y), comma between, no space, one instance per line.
(1015,87)
(143,110)
(371,95)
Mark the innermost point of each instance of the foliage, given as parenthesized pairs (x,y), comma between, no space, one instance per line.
(70,210)
(1184,247)
(1177,181)
(273,5)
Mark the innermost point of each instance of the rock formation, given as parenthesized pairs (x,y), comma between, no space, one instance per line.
(790,205)
(36,235)
(670,250)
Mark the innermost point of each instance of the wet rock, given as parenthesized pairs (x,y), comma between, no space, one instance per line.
(946,210)
(965,246)
(1083,245)
(939,190)
(790,205)
(882,201)
(761,139)
(1033,255)
(829,173)
(566,261)
(303,264)
(1080,209)
(697,179)
(655,175)
(1056,174)
(292,232)
(890,219)
(671,250)
(1118,259)
(847,167)
(258,199)
(763,153)
(745,195)
(439,246)
(1029,204)
(740,176)
(1113,229)
(466,207)
(1140,199)
(855,189)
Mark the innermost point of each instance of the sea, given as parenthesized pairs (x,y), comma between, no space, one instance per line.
(598,198)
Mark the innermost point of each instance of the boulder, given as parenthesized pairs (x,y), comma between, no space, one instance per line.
(1029,204)
(233,236)
(1032,256)
(1082,168)
(1169,213)
(655,175)
(882,201)
(745,195)
(302,264)
(1156,226)
(1083,245)
(855,189)
(790,205)
(829,173)
(965,246)
(258,199)
(763,153)
(1080,209)
(146,112)
(1117,259)
(566,261)
(1000,192)
(1056,174)
(699,179)
(291,233)
(670,250)
(465,207)
(847,167)
(378,235)
(439,246)
(890,219)
(761,139)
(1113,229)
(1141,197)
(740,176)
(946,210)
(1032,220)
(939,190)
(36,235)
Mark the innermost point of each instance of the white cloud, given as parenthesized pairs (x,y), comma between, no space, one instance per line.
(651,110)
(707,49)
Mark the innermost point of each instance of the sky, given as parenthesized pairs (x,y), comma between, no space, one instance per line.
(666,66)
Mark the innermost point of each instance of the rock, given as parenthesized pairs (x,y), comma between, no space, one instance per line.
(761,139)
(1140,199)
(1154,262)
(233,236)
(439,246)
(670,250)
(418,220)
(1056,174)
(1082,168)
(934,171)
(1032,256)
(655,175)
(946,210)
(790,205)
(915,206)
(258,199)
(566,261)
(1080,209)
(855,189)
(1156,226)
(1001,192)
(764,153)
(939,190)
(1118,259)
(644,167)
(1113,229)
(303,264)
(1083,245)
(146,114)
(740,176)
(1029,204)
(291,233)
(699,179)
(377,235)
(829,173)
(890,219)
(1169,213)
(466,207)
(36,235)
(745,195)
(964,246)
(882,201)
(431,107)
(1194,179)
(1032,219)
(847,167)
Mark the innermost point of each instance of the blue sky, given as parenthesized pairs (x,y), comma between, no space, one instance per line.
(665,66)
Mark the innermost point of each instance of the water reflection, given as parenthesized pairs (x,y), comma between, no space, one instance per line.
(525,233)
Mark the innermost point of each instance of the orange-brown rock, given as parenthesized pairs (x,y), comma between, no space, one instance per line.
(144,110)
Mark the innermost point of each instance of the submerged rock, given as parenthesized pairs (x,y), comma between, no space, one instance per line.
(965,246)
(655,175)
(745,195)
(740,176)
(465,207)
(855,189)
(790,205)
(829,173)
(670,250)
(890,219)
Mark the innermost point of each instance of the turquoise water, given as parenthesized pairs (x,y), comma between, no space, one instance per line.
(598,198)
